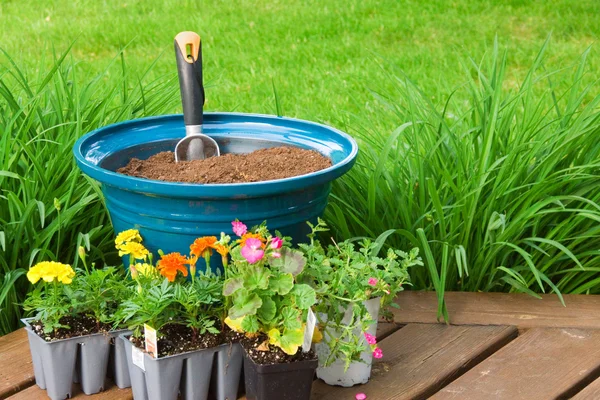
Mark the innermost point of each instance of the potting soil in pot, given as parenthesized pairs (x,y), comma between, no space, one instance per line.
(256,349)
(176,339)
(260,165)
(78,326)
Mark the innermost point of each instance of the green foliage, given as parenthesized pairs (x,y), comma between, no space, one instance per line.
(48,303)
(321,70)
(47,207)
(264,295)
(201,303)
(499,191)
(344,277)
(98,292)
(151,302)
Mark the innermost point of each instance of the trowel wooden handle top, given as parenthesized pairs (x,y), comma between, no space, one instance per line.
(188,52)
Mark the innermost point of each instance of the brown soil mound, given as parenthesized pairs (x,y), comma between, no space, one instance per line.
(260,165)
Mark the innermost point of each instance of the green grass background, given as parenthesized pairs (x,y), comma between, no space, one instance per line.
(321,56)
(509,145)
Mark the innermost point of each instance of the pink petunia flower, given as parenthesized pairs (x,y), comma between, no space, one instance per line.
(372,281)
(370,338)
(252,250)
(275,254)
(377,353)
(239,228)
(276,243)
(360,396)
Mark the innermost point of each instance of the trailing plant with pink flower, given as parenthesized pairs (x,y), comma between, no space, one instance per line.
(261,287)
(345,276)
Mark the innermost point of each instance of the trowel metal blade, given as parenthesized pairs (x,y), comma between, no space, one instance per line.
(196,147)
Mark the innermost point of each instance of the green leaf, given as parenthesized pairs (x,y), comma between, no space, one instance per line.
(42,212)
(244,303)
(282,283)
(232,285)
(267,311)
(34,253)
(291,318)
(291,261)
(256,278)
(250,324)
(304,295)
(291,340)
(9,174)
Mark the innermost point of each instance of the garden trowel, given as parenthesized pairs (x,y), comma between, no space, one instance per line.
(195,145)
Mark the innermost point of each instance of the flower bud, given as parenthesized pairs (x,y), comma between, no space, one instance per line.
(81,253)
(134,271)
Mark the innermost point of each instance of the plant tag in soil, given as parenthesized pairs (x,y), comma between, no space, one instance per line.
(151,344)
(137,356)
(311,319)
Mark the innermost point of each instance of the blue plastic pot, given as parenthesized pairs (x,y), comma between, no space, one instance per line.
(171,215)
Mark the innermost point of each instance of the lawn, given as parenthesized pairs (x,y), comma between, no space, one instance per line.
(478,123)
(322,57)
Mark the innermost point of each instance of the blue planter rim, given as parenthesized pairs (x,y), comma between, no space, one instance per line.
(236,190)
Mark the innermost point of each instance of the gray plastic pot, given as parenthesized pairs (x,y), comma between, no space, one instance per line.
(118,369)
(193,375)
(57,364)
(358,372)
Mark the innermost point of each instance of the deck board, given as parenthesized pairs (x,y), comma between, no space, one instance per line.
(419,359)
(520,310)
(590,392)
(16,370)
(556,355)
(112,393)
(541,364)
(385,329)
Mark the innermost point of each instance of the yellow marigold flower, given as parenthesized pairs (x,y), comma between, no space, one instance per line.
(135,249)
(145,269)
(201,245)
(49,271)
(130,235)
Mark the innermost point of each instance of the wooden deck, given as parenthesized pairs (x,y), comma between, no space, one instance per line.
(498,346)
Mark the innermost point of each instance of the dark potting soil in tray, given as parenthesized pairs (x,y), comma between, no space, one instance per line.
(177,339)
(78,326)
(260,165)
(274,355)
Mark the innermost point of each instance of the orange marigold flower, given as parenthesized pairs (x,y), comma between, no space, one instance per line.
(252,236)
(170,264)
(202,244)
(222,250)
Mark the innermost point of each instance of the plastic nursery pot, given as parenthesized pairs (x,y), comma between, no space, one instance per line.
(286,381)
(118,369)
(171,215)
(59,363)
(193,375)
(358,372)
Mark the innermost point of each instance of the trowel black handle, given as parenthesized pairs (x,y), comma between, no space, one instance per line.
(188,52)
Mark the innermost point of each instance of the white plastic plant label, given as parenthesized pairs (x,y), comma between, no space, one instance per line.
(137,356)
(150,339)
(311,320)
